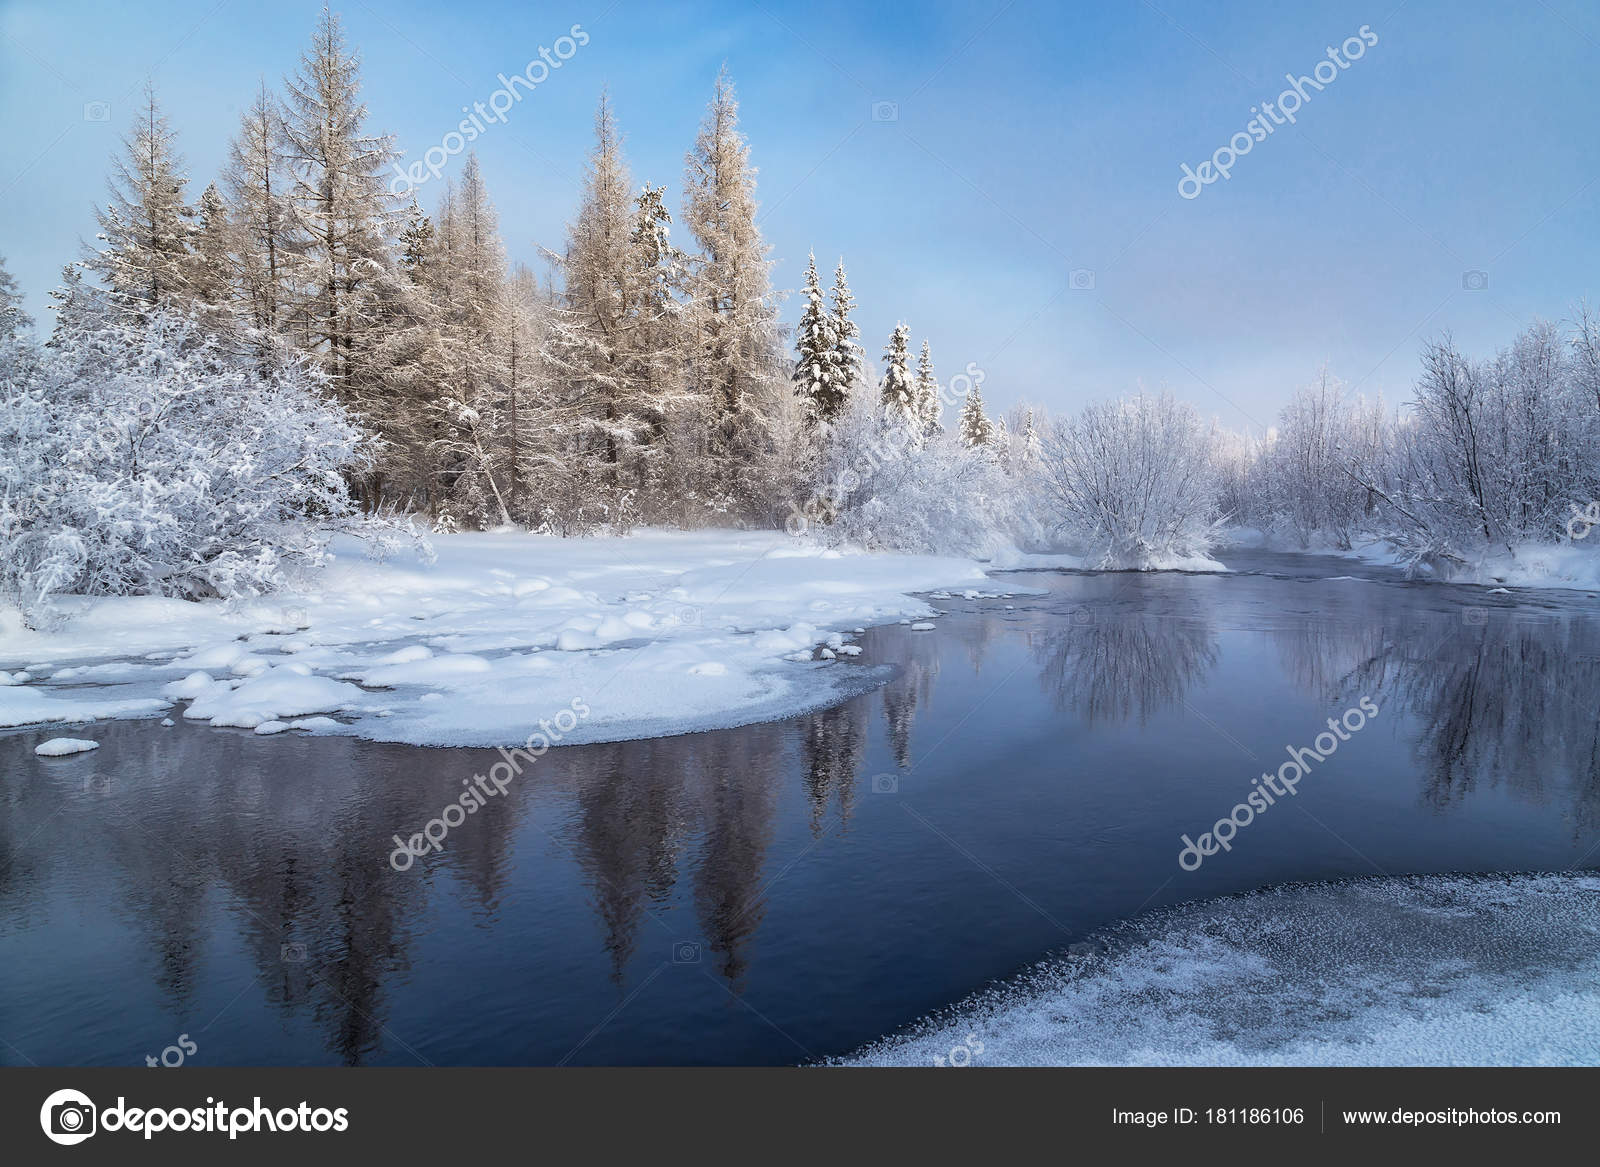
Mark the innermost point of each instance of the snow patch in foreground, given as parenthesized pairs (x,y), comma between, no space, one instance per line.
(661,632)
(1420,971)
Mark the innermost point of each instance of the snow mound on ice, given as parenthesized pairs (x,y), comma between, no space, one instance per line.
(1428,970)
(60,747)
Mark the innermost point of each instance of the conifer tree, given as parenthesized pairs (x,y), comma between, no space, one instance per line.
(975,429)
(147,226)
(896,393)
(213,241)
(13,320)
(818,379)
(734,325)
(850,360)
(930,410)
(340,202)
(266,247)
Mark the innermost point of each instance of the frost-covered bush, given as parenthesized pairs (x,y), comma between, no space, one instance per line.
(137,458)
(885,487)
(1135,481)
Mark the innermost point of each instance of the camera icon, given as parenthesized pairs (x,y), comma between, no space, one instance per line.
(1082,617)
(1082,950)
(1477,617)
(97,784)
(68,1117)
(293,953)
(1081,279)
(1475,281)
(886,111)
(685,952)
(296,617)
(886,784)
(96,111)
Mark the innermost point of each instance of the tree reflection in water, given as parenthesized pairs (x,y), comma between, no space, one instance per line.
(288,839)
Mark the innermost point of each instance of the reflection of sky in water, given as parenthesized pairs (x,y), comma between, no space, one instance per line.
(784,891)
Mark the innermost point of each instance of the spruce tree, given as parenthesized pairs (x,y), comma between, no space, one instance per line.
(897,394)
(975,429)
(213,268)
(930,410)
(818,379)
(13,320)
(849,359)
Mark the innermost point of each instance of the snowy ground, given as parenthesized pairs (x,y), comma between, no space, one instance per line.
(1440,970)
(662,632)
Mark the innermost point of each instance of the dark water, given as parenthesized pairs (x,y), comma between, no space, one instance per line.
(789,891)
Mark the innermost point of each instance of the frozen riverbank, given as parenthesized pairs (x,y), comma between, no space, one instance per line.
(661,632)
(1438,970)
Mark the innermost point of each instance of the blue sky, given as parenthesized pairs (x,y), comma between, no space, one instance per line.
(1029,141)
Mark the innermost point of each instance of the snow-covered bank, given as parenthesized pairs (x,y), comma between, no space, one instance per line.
(1435,970)
(1535,565)
(661,632)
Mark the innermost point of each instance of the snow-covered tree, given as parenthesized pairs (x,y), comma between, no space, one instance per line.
(883,488)
(897,393)
(973,425)
(930,409)
(339,203)
(146,229)
(1134,481)
(1492,453)
(818,380)
(464,280)
(13,320)
(1028,447)
(266,246)
(175,468)
(1301,481)
(212,284)
(736,366)
(850,360)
